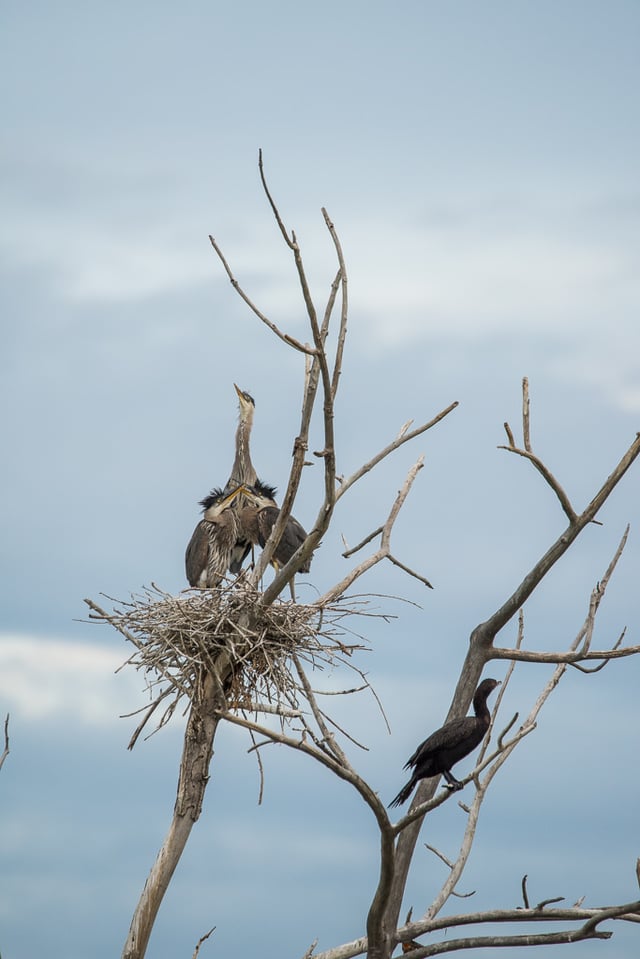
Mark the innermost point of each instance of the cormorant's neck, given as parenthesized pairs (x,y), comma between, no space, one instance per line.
(480,707)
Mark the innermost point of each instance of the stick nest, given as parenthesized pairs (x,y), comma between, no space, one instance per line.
(176,638)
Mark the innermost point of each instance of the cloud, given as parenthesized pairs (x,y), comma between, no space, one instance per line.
(47,678)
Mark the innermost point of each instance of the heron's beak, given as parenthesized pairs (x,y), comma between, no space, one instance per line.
(238,391)
(252,496)
(232,495)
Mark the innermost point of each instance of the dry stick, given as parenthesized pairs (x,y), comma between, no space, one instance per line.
(526,423)
(408,570)
(548,476)
(6,741)
(328,737)
(340,588)
(479,648)
(403,437)
(349,552)
(447,862)
(290,340)
(342,335)
(200,941)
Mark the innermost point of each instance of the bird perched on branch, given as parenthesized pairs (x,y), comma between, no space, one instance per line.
(258,519)
(449,744)
(213,540)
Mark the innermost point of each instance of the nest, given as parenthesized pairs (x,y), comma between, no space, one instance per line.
(177,638)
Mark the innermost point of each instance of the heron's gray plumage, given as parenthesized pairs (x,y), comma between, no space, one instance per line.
(209,551)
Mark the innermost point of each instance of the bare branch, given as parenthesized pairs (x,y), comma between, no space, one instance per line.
(570,658)
(402,438)
(547,902)
(308,954)
(447,862)
(549,477)
(484,634)
(286,337)
(525,897)
(329,738)
(278,218)
(342,335)
(526,425)
(383,552)
(367,539)
(201,940)
(512,442)
(6,741)
(408,570)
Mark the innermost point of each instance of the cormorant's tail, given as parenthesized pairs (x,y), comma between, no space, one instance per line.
(404,794)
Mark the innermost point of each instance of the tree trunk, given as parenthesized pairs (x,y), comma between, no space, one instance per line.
(192,782)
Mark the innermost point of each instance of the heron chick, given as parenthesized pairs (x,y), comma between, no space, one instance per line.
(258,519)
(209,551)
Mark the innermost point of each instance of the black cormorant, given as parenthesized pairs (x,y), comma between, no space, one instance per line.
(449,744)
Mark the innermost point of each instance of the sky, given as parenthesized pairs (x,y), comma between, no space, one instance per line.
(480,164)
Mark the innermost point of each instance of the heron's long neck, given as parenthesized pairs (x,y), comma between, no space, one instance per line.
(243,471)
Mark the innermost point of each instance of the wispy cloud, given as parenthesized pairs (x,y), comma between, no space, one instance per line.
(46,678)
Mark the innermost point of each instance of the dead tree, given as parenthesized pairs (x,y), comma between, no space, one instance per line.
(238,652)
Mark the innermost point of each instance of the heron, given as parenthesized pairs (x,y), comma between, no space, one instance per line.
(258,519)
(212,542)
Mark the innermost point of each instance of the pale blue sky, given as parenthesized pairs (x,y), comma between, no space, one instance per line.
(480,162)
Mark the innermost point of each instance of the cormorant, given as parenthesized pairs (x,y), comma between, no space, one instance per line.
(449,744)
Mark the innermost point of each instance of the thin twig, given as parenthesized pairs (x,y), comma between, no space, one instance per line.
(399,441)
(525,897)
(201,940)
(286,337)
(6,741)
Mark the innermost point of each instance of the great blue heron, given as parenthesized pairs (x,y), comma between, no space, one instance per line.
(258,519)
(449,744)
(209,551)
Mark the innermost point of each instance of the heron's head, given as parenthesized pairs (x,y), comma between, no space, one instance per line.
(260,495)
(247,402)
(216,501)
(266,491)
